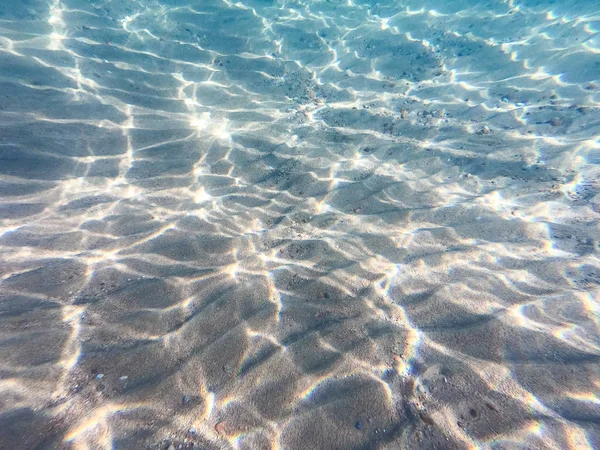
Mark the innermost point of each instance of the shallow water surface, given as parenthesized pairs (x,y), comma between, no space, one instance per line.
(299,224)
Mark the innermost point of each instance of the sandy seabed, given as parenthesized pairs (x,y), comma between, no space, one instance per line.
(295,225)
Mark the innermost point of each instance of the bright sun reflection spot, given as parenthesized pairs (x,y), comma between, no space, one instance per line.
(535,428)
(55,41)
(216,128)
(200,123)
(202,196)
(210,403)
(232,270)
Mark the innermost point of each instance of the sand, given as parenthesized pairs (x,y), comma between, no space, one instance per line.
(293,224)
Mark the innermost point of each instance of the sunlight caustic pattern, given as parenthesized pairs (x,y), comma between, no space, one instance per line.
(292,224)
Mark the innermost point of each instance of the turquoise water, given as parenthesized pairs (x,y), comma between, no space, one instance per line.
(299,224)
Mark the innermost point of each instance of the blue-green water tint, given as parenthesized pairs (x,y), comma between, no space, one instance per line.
(299,224)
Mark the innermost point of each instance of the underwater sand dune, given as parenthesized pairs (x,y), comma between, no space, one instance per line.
(279,224)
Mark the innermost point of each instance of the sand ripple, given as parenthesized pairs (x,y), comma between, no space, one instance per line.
(290,224)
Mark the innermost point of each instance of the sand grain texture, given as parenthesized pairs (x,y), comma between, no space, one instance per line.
(291,224)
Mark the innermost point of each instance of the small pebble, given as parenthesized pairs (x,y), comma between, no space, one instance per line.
(555,122)
(486,130)
(193,431)
(220,427)
(426,418)
(358,425)
(123,378)
(171,447)
(99,376)
(491,406)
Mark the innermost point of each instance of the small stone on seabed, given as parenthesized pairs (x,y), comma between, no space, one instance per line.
(171,447)
(486,130)
(123,378)
(426,418)
(99,376)
(555,122)
(220,427)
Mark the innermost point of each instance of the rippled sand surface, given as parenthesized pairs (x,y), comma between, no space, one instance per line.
(294,224)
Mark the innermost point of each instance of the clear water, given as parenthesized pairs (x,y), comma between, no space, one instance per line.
(279,224)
